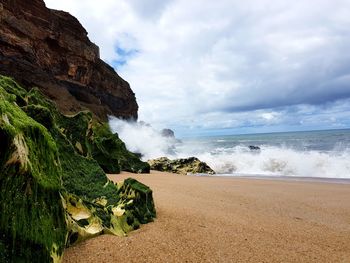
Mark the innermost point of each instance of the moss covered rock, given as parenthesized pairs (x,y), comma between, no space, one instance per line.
(87,219)
(89,137)
(109,150)
(32,219)
(54,192)
(191,165)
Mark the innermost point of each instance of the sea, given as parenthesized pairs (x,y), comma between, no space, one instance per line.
(304,154)
(319,154)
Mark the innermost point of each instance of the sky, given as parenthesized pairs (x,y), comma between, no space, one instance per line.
(226,67)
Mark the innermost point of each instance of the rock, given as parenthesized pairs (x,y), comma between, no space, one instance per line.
(89,137)
(254,148)
(32,220)
(88,219)
(167,133)
(136,198)
(190,165)
(107,149)
(172,140)
(53,192)
(50,49)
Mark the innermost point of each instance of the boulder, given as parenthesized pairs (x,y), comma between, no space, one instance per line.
(191,165)
(87,219)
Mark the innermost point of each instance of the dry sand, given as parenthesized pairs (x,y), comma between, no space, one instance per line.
(220,219)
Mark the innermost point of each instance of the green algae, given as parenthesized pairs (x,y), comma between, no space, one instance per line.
(191,165)
(31,210)
(111,153)
(137,199)
(55,192)
(88,136)
(87,219)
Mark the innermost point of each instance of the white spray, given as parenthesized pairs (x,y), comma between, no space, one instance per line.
(237,160)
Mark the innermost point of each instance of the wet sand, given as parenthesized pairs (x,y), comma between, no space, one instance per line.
(225,219)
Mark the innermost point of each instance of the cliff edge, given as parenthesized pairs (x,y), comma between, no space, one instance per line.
(50,49)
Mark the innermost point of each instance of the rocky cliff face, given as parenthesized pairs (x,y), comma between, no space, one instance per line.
(50,49)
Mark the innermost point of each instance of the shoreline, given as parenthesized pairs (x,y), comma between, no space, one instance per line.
(230,219)
(282,178)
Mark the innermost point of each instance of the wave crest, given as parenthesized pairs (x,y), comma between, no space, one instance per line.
(238,159)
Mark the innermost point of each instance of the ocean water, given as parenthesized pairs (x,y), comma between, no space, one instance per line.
(324,154)
(319,154)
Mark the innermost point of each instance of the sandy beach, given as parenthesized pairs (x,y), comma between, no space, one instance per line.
(225,219)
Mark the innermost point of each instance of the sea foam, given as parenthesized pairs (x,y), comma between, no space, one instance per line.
(237,158)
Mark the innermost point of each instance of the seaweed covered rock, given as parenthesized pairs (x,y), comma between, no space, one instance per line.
(190,165)
(108,149)
(32,219)
(87,219)
(136,199)
(95,140)
(89,137)
(53,192)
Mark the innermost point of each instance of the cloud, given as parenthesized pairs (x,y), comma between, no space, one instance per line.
(150,9)
(221,62)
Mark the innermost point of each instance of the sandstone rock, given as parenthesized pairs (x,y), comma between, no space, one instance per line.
(50,49)
(190,165)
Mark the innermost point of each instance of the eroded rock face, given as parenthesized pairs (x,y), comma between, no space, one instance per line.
(50,49)
(191,165)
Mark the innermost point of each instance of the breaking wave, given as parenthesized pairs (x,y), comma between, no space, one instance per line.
(237,159)
(279,161)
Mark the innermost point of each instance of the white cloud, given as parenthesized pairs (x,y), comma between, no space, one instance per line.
(222,61)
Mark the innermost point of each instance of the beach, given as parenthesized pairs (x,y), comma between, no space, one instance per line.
(227,219)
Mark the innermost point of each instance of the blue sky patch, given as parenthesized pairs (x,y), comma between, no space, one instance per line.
(123,56)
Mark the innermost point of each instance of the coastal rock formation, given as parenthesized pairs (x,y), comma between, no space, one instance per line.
(254,148)
(49,49)
(191,165)
(32,221)
(167,133)
(54,192)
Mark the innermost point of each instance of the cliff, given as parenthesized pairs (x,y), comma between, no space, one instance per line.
(50,49)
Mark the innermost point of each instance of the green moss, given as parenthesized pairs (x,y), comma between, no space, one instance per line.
(14,90)
(137,199)
(111,152)
(190,165)
(32,221)
(77,129)
(40,114)
(81,175)
(54,192)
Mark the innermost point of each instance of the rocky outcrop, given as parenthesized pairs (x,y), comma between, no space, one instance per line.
(167,133)
(50,49)
(32,222)
(54,191)
(254,148)
(191,165)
